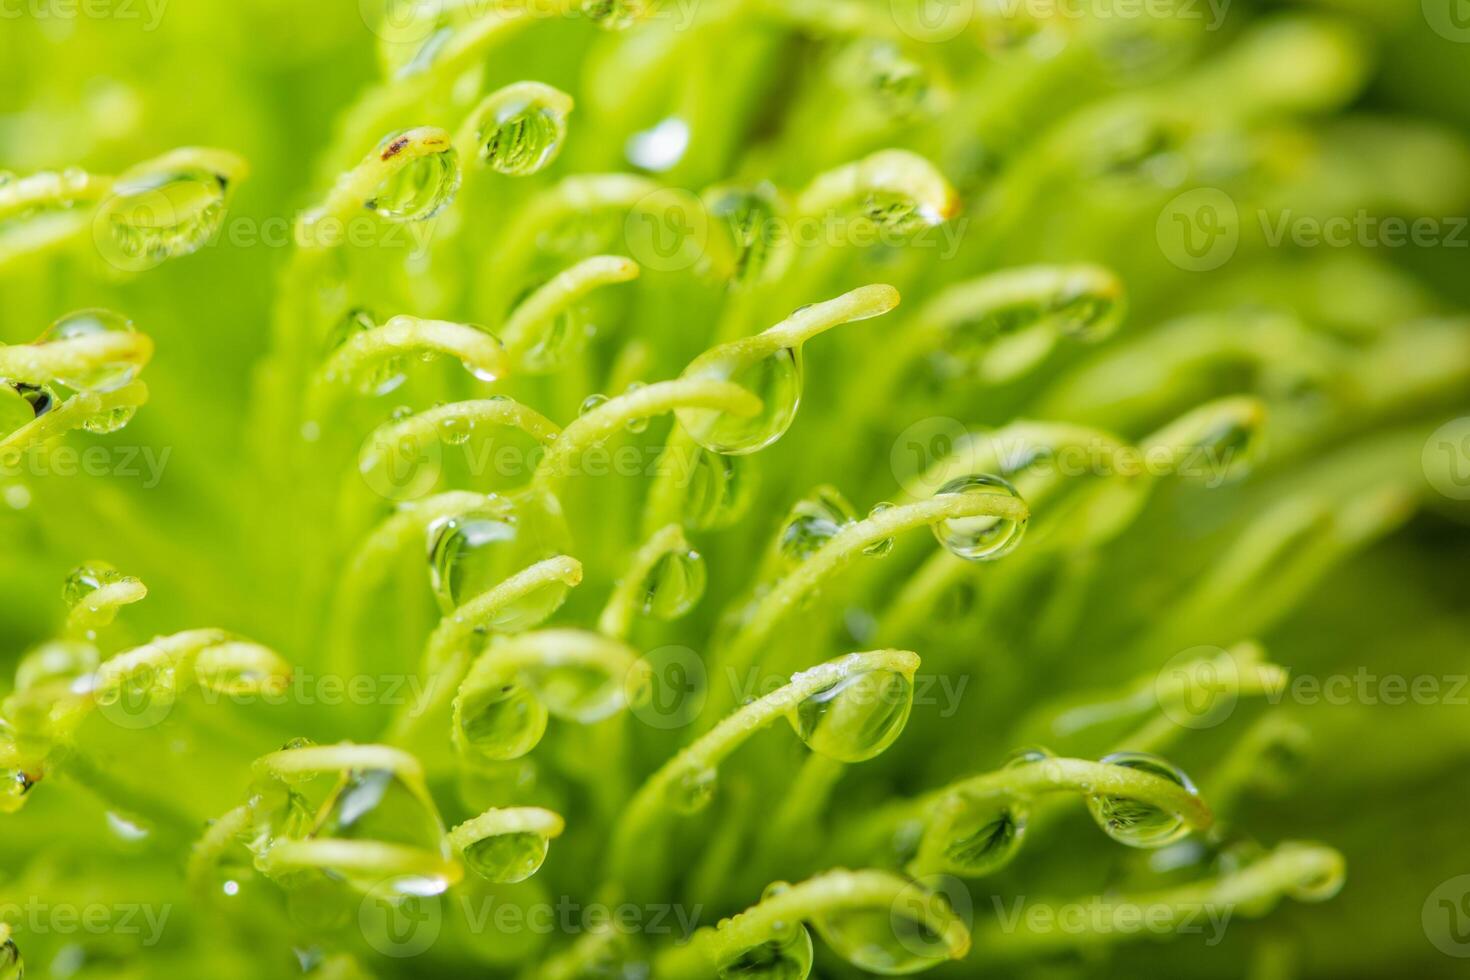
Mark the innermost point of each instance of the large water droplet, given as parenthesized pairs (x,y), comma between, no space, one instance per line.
(674,585)
(890,941)
(857,717)
(507,858)
(471,553)
(761,245)
(502,722)
(719,492)
(88,578)
(692,790)
(420,189)
(979,538)
(162,215)
(378,805)
(88,323)
(1134,822)
(521,137)
(899,84)
(582,692)
(563,338)
(785,959)
(774,378)
(813,522)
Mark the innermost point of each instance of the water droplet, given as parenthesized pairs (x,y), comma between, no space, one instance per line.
(979,538)
(456,429)
(897,940)
(1028,755)
(507,858)
(12,966)
(660,148)
(126,829)
(897,213)
(775,378)
(591,403)
(752,217)
(379,805)
(383,375)
(674,585)
(88,323)
(86,579)
(899,84)
(110,421)
(420,188)
(719,493)
(636,426)
(1133,822)
(880,549)
(582,692)
(614,15)
(15,783)
(563,339)
(813,522)
(781,959)
(857,717)
(521,137)
(56,662)
(473,552)
(500,723)
(692,790)
(167,214)
(977,837)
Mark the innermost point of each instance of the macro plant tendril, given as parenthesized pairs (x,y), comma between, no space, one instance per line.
(734,490)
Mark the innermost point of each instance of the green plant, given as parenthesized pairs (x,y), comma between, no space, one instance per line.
(519,644)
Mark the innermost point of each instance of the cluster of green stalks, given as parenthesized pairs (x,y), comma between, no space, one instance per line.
(639,381)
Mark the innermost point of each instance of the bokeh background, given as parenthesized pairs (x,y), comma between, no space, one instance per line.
(1383,133)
